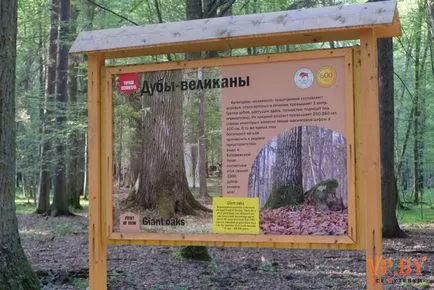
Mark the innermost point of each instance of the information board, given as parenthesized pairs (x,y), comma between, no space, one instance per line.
(254,148)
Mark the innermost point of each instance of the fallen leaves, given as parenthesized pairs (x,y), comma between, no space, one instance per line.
(304,219)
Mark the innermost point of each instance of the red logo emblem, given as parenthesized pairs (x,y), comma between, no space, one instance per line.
(128,83)
(304,75)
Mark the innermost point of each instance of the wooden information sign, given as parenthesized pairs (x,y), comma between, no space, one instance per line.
(269,111)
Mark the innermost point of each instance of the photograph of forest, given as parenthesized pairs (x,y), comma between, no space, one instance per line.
(300,177)
(167,152)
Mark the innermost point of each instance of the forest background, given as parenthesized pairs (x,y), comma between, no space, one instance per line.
(51,96)
(51,92)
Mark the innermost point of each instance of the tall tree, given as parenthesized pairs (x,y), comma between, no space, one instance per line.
(418,120)
(46,122)
(194,11)
(15,270)
(389,194)
(287,175)
(75,151)
(430,4)
(60,199)
(203,188)
(163,182)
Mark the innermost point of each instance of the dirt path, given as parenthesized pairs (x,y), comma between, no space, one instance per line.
(57,249)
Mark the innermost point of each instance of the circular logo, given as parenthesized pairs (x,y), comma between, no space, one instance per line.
(303,78)
(326,77)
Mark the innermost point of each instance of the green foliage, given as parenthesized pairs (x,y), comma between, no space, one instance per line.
(199,253)
(79,283)
(34,23)
(416,215)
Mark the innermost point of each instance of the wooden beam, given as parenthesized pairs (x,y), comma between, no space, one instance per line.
(369,146)
(294,26)
(97,238)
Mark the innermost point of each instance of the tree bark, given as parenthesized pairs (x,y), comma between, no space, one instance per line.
(60,200)
(389,192)
(287,175)
(75,154)
(418,120)
(203,189)
(163,182)
(193,153)
(46,155)
(430,4)
(15,270)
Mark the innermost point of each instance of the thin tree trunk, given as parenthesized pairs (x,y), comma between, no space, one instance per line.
(119,154)
(74,151)
(46,155)
(193,153)
(417,121)
(389,193)
(203,189)
(60,200)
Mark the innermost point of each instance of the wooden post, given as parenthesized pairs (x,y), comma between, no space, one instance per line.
(97,238)
(370,157)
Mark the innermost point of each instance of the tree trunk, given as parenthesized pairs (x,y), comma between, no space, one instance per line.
(163,183)
(60,200)
(46,154)
(193,153)
(203,189)
(287,176)
(15,270)
(430,4)
(418,120)
(389,192)
(75,152)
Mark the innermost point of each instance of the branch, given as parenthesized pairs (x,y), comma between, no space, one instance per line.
(111,11)
(405,86)
(225,8)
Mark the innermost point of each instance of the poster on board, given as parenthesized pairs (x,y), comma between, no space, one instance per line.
(258,148)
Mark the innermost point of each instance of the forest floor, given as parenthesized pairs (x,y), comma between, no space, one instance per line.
(57,249)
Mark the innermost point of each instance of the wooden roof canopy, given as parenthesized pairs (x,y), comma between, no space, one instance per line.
(277,28)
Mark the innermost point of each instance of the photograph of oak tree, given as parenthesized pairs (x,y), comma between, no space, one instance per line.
(300,178)
(165,160)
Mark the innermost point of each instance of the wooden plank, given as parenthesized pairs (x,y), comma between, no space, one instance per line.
(298,242)
(97,245)
(263,40)
(294,26)
(107,151)
(395,30)
(359,117)
(177,237)
(349,130)
(237,60)
(369,137)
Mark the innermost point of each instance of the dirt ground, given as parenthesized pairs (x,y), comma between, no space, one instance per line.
(57,249)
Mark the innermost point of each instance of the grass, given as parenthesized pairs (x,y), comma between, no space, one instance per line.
(79,283)
(214,187)
(24,207)
(418,214)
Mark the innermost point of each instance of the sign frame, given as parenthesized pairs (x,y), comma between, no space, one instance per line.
(375,20)
(348,241)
